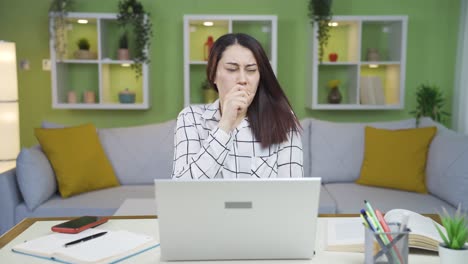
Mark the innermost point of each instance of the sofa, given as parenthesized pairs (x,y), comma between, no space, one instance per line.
(333,151)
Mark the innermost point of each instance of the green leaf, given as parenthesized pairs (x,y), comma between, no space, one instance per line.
(442,235)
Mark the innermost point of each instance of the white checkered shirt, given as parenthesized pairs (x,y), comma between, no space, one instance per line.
(204,151)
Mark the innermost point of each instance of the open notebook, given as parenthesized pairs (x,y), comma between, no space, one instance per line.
(347,234)
(111,247)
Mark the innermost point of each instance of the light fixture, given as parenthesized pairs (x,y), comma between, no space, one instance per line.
(125,64)
(9,112)
(332,24)
(208,23)
(373,66)
(82,21)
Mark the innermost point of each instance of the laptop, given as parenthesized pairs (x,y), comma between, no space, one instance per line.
(237,219)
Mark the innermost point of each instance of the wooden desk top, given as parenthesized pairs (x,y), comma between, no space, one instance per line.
(27,222)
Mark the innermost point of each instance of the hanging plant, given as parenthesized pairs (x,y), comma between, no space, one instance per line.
(59,9)
(132,14)
(429,102)
(320,12)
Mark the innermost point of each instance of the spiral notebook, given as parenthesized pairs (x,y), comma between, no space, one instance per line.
(111,247)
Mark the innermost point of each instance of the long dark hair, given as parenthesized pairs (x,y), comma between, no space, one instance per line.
(270,115)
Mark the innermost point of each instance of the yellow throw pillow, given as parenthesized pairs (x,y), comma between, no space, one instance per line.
(396,158)
(78,159)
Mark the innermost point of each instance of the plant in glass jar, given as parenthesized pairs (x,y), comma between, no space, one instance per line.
(83,51)
(454,249)
(334,95)
(320,13)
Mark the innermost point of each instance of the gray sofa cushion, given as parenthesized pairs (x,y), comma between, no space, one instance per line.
(350,198)
(327,204)
(447,169)
(36,178)
(337,149)
(100,202)
(140,154)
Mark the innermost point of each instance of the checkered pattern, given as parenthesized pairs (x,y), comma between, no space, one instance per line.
(203,151)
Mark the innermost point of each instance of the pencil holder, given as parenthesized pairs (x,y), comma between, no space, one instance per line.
(390,247)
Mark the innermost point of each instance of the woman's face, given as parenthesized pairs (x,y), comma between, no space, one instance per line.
(237,67)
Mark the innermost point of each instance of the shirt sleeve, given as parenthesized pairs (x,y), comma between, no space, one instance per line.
(195,158)
(290,157)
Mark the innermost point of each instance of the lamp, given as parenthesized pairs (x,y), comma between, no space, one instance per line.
(9,113)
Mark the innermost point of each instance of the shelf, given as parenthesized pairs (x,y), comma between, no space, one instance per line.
(99,74)
(261,27)
(367,55)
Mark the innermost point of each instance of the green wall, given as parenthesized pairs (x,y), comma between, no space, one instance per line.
(431,51)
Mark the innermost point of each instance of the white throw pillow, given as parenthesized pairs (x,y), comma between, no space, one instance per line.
(36,178)
(337,149)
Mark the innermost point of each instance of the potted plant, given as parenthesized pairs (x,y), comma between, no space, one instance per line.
(429,102)
(58,9)
(83,49)
(320,13)
(132,14)
(123,53)
(453,250)
(209,93)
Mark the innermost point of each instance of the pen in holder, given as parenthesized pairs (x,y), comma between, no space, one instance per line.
(390,247)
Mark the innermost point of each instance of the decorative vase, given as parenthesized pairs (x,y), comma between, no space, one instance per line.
(373,54)
(123,54)
(71,97)
(207,47)
(89,97)
(334,96)
(127,97)
(452,256)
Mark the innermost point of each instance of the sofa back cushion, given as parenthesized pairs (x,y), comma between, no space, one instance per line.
(140,154)
(447,168)
(337,149)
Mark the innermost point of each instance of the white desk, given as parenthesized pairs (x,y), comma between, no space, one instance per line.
(149,226)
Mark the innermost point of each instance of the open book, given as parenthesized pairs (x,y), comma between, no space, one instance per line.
(111,247)
(347,234)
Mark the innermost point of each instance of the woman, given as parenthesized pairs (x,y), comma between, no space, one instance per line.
(250,131)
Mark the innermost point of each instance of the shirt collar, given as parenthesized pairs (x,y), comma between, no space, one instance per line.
(212,111)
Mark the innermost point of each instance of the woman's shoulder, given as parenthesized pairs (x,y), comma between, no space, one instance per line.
(193,111)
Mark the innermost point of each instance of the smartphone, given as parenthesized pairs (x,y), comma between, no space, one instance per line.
(79,224)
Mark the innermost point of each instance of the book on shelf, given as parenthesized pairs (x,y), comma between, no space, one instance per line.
(347,234)
(111,247)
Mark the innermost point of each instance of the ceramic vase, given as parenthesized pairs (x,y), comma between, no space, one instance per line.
(334,96)
(453,256)
(123,54)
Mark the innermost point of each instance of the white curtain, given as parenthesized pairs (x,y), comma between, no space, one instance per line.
(460,95)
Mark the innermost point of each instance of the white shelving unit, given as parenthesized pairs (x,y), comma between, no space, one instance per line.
(105,75)
(261,27)
(366,82)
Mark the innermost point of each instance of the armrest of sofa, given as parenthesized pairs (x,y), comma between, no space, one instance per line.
(10,197)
